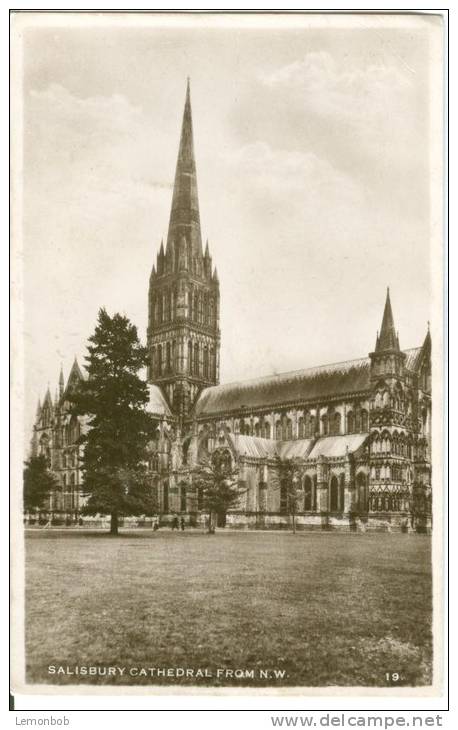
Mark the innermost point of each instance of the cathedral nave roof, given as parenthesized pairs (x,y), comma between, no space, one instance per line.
(311,384)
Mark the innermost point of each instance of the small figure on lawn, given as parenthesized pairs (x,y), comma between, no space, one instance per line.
(175,523)
(182,524)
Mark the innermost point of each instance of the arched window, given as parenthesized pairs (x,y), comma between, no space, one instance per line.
(300,428)
(165,496)
(364,421)
(289,429)
(201,305)
(341,491)
(357,420)
(171,304)
(324,425)
(257,429)
(309,426)
(278,429)
(168,358)
(308,494)
(190,370)
(206,362)
(335,424)
(159,359)
(196,307)
(190,302)
(183,498)
(205,308)
(334,495)
(211,362)
(266,430)
(350,422)
(211,312)
(196,358)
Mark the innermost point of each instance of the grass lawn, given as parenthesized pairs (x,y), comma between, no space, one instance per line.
(323,608)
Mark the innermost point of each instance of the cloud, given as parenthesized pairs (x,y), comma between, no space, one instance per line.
(285,173)
(367,121)
(91,143)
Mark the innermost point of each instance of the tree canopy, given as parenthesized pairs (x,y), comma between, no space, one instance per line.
(289,480)
(218,484)
(113,397)
(39,482)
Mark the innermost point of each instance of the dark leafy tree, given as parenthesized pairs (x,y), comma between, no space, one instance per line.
(218,484)
(288,479)
(113,398)
(39,482)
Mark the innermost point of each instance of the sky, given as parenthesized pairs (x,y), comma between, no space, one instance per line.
(313,156)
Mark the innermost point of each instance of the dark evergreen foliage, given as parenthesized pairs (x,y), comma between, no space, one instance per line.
(39,482)
(115,445)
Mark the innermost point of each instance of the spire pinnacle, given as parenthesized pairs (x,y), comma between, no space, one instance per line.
(388,339)
(61,382)
(47,400)
(184,214)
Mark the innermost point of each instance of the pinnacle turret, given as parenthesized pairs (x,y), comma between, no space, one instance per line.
(388,338)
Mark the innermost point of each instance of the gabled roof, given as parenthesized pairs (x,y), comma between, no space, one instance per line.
(300,385)
(309,385)
(336,446)
(299,449)
(157,405)
(253,446)
(413,357)
(329,446)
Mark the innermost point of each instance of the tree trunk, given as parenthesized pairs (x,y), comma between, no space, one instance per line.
(114,523)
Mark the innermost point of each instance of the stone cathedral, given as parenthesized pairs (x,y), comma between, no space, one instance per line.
(361,429)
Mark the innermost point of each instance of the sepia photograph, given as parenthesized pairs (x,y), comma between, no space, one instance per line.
(227,389)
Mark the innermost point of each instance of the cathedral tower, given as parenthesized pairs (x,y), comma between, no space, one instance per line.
(183,303)
(391,421)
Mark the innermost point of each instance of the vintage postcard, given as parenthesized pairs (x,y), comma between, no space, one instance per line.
(227,396)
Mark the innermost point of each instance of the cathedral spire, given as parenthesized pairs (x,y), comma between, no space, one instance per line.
(61,382)
(387,340)
(184,214)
